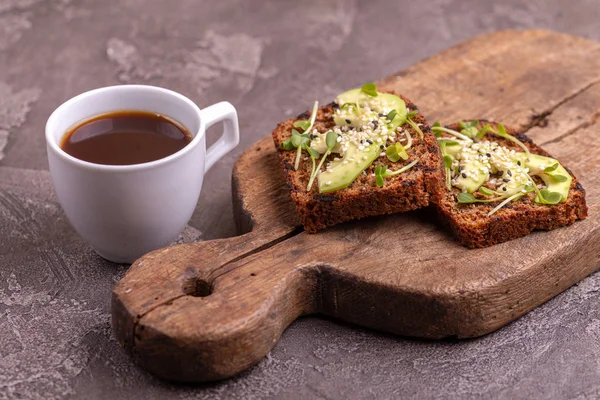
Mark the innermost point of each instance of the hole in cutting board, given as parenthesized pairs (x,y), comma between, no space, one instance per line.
(199,288)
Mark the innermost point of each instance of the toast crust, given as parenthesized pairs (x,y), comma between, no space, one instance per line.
(363,198)
(472,227)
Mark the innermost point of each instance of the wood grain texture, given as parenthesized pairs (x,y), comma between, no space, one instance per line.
(209,310)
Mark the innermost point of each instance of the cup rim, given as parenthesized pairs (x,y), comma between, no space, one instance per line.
(130,167)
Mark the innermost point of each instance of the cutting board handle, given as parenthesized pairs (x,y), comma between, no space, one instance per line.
(183,312)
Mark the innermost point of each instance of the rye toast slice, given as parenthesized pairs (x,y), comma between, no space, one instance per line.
(473,228)
(363,198)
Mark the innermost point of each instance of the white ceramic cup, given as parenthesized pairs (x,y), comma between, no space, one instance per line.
(125,211)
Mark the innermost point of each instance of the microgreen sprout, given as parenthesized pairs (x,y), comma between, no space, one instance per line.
(447,142)
(551,168)
(379,174)
(301,140)
(469,128)
(413,124)
(391,115)
(314,154)
(486,192)
(481,133)
(370,89)
(437,133)
(505,202)
(302,124)
(557,177)
(468,132)
(550,197)
(503,134)
(408,139)
(330,141)
(437,128)
(382,172)
(287,144)
(468,198)
(395,152)
(447,159)
(448,167)
(545,196)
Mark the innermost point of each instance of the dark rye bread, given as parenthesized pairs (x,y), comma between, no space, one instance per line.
(472,227)
(403,192)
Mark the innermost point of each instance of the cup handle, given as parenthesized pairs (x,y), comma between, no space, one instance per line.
(230,137)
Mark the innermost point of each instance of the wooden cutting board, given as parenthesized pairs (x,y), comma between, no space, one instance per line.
(209,310)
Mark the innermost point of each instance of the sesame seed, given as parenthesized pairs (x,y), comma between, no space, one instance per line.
(369,141)
(348,121)
(464,175)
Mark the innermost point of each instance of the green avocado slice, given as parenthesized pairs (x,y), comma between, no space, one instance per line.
(537,164)
(353,97)
(341,174)
(473,177)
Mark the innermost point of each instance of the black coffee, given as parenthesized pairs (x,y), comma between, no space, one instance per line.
(125,138)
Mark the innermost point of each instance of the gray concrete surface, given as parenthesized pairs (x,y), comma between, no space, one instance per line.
(271,59)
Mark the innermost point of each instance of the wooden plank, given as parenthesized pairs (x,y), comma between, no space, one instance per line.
(208,310)
(512,76)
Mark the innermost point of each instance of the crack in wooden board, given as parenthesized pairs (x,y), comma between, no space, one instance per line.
(176,337)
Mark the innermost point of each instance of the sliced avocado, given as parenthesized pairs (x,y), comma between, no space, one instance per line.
(355,96)
(537,164)
(355,121)
(352,96)
(346,100)
(451,149)
(342,175)
(470,183)
(472,174)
